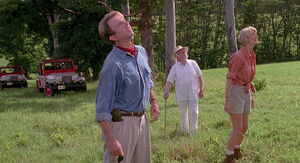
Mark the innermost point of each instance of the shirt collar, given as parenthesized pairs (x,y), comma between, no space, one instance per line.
(187,62)
(245,52)
(130,50)
(123,54)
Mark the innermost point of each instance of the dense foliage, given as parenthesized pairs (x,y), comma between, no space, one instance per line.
(78,36)
(22,34)
(29,31)
(200,25)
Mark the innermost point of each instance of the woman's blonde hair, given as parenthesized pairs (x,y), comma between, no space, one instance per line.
(103,28)
(244,33)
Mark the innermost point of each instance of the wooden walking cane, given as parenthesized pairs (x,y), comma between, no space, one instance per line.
(165,114)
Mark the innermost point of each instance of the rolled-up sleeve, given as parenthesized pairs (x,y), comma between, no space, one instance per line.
(233,67)
(151,84)
(105,95)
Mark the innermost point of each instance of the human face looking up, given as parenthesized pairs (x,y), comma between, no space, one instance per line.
(122,29)
(181,55)
(252,38)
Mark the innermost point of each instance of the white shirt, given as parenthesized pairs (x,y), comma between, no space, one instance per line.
(186,80)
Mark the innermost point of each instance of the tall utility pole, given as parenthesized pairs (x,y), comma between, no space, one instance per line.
(170,34)
(230,27)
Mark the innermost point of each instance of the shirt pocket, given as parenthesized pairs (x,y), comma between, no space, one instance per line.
(131,75)
(148,72)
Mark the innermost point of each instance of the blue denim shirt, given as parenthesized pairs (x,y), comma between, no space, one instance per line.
(124,82)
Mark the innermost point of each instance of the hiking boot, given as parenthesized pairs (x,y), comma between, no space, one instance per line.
(237,153)
(229,159)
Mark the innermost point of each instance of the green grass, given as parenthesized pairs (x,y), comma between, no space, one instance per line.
(62,129)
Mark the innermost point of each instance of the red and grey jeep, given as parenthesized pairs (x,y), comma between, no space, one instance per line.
(12,76)
(58,75)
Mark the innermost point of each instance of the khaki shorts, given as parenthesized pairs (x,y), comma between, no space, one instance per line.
(240,101)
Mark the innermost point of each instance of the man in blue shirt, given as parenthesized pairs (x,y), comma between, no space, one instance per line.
(123,94)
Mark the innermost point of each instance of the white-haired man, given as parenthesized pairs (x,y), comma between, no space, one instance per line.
(189,88)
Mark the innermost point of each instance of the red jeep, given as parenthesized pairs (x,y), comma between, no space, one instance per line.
(58,75)
(12,76)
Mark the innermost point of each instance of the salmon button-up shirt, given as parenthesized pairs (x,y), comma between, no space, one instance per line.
(242,68)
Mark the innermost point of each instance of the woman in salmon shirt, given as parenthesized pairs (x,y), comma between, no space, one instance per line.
(239,89)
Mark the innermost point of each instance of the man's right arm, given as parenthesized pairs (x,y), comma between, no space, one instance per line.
(167,89)
(170,80)
(113,145)
(105,98)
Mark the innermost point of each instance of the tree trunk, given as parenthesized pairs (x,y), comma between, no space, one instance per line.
(53,18)
(125,9)
(160,59)
(230,27)
(273,26)
(170,34)
(145,28)
(298,47)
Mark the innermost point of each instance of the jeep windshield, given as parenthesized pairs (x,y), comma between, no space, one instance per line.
(58,66)
(10,70)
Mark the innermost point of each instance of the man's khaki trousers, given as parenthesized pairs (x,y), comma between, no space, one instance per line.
(134,136)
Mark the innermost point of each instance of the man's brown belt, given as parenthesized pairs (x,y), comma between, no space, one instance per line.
(137,114)
(118,113)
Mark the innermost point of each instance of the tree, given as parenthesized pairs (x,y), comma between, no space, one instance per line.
(22,35)
(170,34)
(125,9)
(26,25)
(230,27)
(53,18)
(78,34)
(145,26)
(26,37)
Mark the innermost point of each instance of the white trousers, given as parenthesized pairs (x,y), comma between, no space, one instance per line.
(193,107)
(134,136)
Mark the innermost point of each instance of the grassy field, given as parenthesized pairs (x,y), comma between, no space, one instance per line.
(62,129)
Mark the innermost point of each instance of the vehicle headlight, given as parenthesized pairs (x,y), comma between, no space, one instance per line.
(74,77)
(20,78)
(81,79)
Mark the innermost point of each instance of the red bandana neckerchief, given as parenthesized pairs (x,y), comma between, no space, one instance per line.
(131,50)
